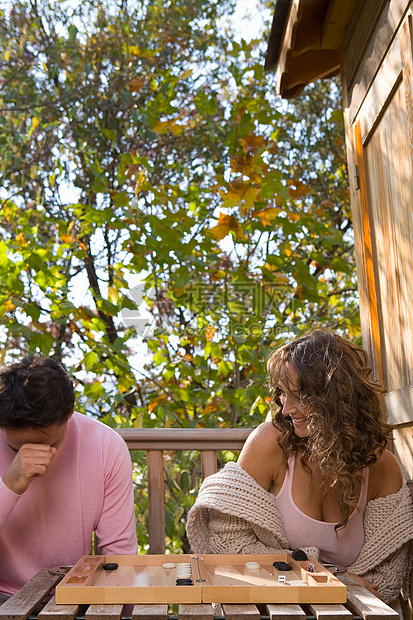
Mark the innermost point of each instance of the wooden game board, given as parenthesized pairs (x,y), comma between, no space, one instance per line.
(216,579)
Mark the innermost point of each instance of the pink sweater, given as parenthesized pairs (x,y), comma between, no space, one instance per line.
(86,488)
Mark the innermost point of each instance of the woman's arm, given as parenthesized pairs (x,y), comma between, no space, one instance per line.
(261,457)
(385,476)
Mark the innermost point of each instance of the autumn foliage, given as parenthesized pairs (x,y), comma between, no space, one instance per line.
(140,143)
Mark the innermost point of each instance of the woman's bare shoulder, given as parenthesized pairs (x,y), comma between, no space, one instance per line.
(262,455)
(385,476)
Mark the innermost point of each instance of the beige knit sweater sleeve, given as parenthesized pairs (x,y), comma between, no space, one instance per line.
(234,514)
(386,557)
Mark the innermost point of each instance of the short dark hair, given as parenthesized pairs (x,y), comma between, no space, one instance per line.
(35,392)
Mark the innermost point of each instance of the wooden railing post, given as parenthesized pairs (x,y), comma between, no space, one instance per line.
(154,440)
(156,502)
(208,463)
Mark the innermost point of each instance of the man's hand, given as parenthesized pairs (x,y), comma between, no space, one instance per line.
(32,460)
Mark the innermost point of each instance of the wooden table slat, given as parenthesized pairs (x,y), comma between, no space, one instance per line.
(241,612)
(154,612)
(103,612)
(365,604)
(51,611)
(202,611)
(285,612)
(330,612)
(20,605)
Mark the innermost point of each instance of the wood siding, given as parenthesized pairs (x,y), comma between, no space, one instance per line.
(379,128)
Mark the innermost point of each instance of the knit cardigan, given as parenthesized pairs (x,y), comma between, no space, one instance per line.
(234,514)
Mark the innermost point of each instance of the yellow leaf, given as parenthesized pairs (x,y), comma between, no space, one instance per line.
(7,55)
(236,191)
(279,200)
(214,405)
(218,275)
(133,49)
(354,331)
(230,198)
(176,130)
(35,122)
(226,223)
(251,196)
(161,127)
(209,409)
(140,182)
(21,240)
(209,332)
(113,294)
(266,215)
(273,268)
(294,217)
(9,306)
(155,402)
(66,238)
(165,126)
(239,190)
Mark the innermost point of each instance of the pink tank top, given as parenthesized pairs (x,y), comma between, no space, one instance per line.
(339,547)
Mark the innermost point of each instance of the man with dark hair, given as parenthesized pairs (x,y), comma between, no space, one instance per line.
(64,476)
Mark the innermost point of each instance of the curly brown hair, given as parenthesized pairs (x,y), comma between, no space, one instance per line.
(347,431)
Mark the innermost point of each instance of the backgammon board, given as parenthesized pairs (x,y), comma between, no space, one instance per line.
(121,579)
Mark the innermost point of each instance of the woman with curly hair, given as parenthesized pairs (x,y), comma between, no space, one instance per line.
(318,476)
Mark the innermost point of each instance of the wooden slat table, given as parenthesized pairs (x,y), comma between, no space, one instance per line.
(361,605)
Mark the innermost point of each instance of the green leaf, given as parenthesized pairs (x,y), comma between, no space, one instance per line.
(90,359)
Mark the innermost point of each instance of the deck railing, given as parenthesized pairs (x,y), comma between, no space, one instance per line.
(208,441)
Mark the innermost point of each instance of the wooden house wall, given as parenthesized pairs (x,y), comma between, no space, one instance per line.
(377,79)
